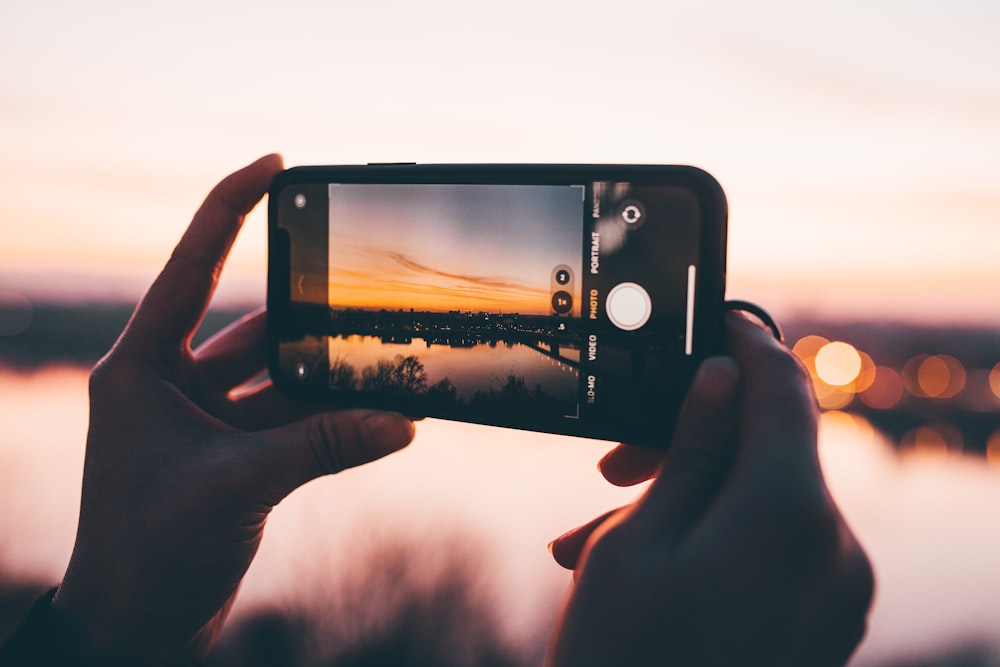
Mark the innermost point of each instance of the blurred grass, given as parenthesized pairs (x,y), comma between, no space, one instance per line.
(448,623)
(405,603)
(427,603)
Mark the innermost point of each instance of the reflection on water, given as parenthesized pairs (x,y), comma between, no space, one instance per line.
(928,521)
(474,368)
(942,401)
(43,425)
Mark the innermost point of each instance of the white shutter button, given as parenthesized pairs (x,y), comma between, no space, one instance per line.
(628,306)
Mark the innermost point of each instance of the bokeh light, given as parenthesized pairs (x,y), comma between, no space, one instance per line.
(993,449)
(995,380)
(938,439)
(838,363)
(807,347)
(839,370)
(832,397)
(885,391)
(938,376)
(941,376)
(933,376)
(977,395)
(866,376)
(846,421)
(910,374)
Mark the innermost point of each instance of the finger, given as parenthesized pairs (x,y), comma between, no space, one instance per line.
(847,612)
(259,407)
(566,548)
(626,465)
(235,354)
(172,308)
(699,456)
(778,421)
(289,456)
(265,407)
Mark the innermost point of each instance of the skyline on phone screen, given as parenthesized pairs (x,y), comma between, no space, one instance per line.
(440,248)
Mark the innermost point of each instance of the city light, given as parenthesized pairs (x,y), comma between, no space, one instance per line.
(933,376)
(806,349)
(942,376)
(937,439)
(995,380)
(838,363)
(910,373)
(841,373)
(832,397)
(993,449)
(838,370)
(937,376)
(885,391)
(866,376)
(846,421)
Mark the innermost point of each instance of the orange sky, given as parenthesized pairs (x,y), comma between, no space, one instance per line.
(393,295)
(859,144)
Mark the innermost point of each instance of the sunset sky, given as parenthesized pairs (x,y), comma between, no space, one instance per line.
(448,247)
(858,142)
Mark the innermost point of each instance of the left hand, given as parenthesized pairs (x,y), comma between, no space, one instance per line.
(182,465)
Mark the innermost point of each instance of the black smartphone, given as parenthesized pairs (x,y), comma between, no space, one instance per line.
(572,299)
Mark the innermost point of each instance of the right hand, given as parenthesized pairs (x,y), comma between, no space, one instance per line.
(736,554)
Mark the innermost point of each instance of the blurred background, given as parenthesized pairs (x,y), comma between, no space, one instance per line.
(859,145)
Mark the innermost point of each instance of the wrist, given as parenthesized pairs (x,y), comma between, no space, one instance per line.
(101,631)
(87,625)
(51,635)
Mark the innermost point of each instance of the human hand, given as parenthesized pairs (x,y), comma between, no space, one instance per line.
(736,554)
(183,464)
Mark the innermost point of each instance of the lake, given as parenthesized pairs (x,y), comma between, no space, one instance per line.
(471,368)
(930,522)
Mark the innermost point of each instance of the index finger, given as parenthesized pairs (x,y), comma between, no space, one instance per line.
(626,464)
(173,307)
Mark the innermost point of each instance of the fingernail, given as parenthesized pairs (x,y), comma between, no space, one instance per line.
(567,534)
(716,381)
(550,545)
(719,365)
(717,371)
(387,431)
(600,464)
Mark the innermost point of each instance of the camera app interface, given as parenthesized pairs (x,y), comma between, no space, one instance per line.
(550,302)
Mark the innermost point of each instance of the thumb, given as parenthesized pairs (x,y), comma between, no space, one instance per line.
(700,453)
(327,443)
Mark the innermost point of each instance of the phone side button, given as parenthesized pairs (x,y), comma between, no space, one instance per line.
(391,164)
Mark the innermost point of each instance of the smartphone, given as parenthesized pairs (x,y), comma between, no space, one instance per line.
(571,299)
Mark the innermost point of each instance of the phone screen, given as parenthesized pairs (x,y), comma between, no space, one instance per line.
(567,307)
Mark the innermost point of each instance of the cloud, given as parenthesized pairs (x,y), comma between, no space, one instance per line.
(479,281)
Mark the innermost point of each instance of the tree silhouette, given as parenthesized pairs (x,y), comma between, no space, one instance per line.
(410,374)
(443,393)
(402,375)
(342,375)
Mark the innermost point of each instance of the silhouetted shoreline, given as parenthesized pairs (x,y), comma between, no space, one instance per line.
(78,334)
